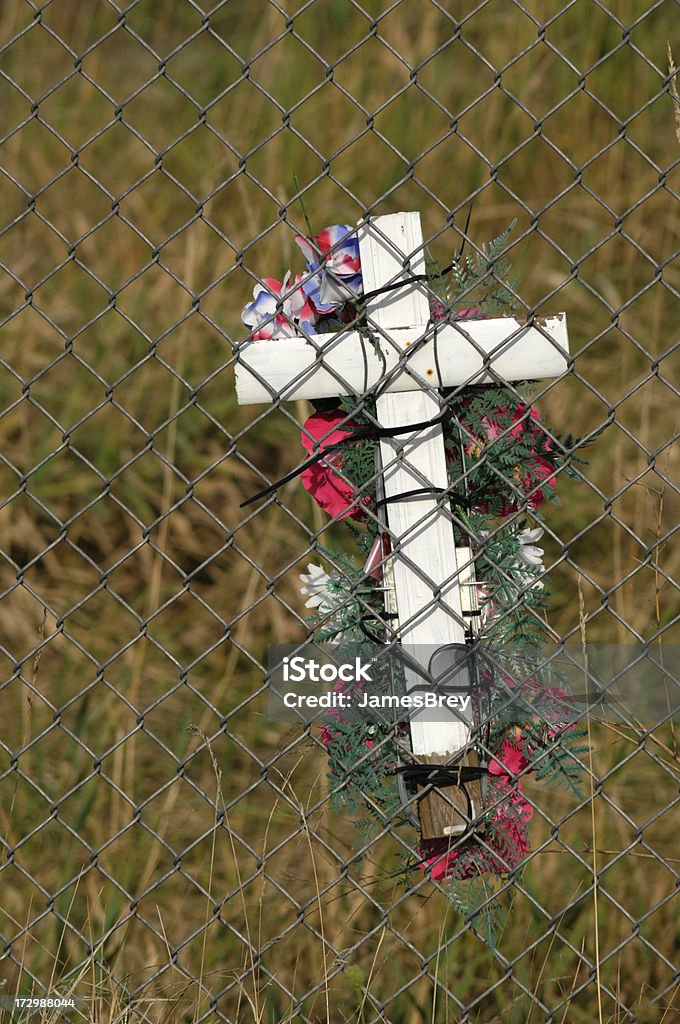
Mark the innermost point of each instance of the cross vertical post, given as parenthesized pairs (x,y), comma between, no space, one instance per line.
(424,567)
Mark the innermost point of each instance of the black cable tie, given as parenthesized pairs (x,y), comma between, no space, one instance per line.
(368,633)
(288,477)
(368,433)
(440,775)
(454,496)
(413,279)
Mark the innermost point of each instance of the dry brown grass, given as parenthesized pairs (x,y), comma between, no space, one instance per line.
(157,587)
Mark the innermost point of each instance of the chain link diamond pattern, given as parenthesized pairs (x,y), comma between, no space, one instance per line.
(165,848)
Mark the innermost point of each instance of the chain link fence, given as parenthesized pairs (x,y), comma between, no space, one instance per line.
(168,852)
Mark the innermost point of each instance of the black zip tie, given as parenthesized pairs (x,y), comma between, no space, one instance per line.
(414,279)
(368,633)
(367,433)
(454,496)
(440,775)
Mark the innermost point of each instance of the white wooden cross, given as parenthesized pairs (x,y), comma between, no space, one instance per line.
(428,582)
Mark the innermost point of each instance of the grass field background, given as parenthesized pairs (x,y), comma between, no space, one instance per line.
(149,161)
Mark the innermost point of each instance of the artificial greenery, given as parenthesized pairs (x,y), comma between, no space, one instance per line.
(481,906)
(559,760)
(481,280)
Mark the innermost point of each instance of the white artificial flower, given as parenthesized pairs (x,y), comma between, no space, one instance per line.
(315,587)
(529,554)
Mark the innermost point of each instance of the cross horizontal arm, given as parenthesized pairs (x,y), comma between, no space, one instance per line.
(469,352)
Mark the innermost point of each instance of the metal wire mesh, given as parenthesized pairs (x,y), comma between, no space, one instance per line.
(163,842)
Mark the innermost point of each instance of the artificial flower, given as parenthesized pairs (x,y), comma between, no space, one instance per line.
(502,847)
(509,761)
(334,495)
(328,737)
(530,559)
(539,469)
(527,551)
(278,312)
(315,588)
(335,254)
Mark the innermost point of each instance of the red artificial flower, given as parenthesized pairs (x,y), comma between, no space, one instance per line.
(326,736)
(334,495)
(510,761)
